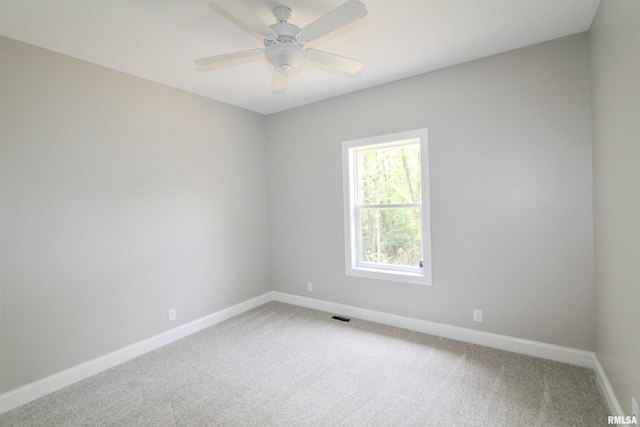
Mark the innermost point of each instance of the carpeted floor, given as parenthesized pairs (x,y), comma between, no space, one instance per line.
(289,366)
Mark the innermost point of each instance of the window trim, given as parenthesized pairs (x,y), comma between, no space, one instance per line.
(353,267)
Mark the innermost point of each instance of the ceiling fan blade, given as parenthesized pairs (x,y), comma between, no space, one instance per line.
(338,62)
(279,82)
(217,59)
(238,11)
(339,17)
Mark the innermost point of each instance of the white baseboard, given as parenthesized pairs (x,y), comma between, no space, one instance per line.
(531,348)
(607,390)
(585,359)
(44,386)
(29,392)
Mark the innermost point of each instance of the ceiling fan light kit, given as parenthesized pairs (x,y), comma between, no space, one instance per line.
(285,56)
(284,42)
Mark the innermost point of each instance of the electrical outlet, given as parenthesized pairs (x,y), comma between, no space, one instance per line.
(634,409)
(477,315)
(171,314)
(309,287)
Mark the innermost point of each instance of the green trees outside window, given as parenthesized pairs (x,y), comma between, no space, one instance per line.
(389,204)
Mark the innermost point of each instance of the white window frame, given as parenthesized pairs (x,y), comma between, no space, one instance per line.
(352,235)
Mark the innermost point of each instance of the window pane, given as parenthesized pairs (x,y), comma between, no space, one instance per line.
(389,175)
(391,236)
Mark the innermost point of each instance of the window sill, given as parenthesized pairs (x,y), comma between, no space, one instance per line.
(388,275)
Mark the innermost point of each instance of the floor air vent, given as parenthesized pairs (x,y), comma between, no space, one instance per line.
(340,318)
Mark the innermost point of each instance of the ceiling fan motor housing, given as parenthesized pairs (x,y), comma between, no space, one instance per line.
(286,33)
(285,51)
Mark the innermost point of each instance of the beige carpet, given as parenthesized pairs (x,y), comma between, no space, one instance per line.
(289,366)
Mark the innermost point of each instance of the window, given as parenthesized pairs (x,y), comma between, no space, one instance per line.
(386,199)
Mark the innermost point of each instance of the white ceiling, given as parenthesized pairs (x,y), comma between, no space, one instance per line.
(158,40)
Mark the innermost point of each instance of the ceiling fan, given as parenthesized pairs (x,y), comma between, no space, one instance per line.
(284,42)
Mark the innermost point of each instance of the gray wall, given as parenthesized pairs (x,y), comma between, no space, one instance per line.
(615,70)
(121,198)
(511,187)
